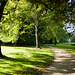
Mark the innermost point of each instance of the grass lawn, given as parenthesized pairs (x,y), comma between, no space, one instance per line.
(25,60)
(68,47)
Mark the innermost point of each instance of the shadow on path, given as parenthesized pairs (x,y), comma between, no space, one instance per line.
(64,63)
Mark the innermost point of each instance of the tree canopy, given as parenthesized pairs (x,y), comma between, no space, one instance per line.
(24,15)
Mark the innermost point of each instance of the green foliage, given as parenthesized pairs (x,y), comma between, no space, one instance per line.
(19,24)
(9,33)
(10,26)
(51,28)
(68,39)
(16,22)
(64,9)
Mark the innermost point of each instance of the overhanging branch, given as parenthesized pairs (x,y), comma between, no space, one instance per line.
(46,5)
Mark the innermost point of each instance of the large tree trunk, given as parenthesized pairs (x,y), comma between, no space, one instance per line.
(1,55)
(36,27)
(2,5)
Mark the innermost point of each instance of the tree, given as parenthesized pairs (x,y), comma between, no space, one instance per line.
(60,8)
(33,14)
(36,26)
(17,23)
(2,5)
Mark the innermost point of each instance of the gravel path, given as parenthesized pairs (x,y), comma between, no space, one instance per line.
(64,63)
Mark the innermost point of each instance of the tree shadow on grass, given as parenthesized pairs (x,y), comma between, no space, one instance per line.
(20,62)
(29,71)
(73,44)
(4,73)
(45,59)
(42,60)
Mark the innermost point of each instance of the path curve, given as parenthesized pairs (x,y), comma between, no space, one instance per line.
(64,63)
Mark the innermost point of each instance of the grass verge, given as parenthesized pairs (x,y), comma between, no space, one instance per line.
(68,47)
(25,60)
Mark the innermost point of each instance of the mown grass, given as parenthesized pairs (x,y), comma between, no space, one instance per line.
(68,47)
(25,60)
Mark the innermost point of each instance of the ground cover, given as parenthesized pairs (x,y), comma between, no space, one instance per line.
(68,47)
(25,60)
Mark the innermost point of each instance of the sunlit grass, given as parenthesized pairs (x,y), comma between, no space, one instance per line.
(68,47)
(25,60)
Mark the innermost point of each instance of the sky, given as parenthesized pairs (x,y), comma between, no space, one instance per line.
(70,28)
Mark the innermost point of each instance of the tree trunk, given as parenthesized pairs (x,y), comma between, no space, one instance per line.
(2,5)
(50,41)
(1,55)
(36,27)
(55,41)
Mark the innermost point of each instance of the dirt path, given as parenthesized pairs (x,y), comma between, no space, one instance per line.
(64,63)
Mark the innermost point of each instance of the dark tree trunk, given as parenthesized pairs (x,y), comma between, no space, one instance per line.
(55,41)
(1,55)
(50,41)
(2,5)
(36,27)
